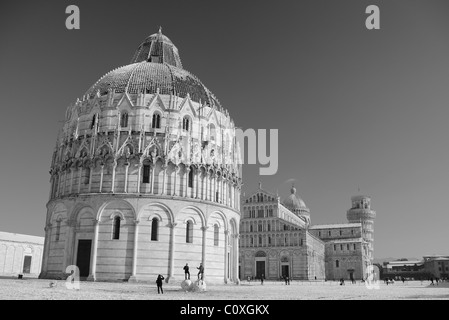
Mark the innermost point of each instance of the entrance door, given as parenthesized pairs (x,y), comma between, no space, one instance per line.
(83,257)
(285,272)
(260,269)
(27,264)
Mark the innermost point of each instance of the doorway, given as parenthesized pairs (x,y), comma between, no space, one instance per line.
(260,269)
(27,264)
(285,271)
(83,257)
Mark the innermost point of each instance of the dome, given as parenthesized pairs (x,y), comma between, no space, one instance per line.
(156,67)
(157,48)
(293,202)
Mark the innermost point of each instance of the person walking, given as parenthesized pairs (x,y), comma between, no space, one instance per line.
(201,271)
(159,284)
(186,272)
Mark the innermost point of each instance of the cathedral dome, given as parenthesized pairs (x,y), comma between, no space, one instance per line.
(293,202)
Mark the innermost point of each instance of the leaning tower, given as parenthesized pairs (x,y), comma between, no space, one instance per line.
(361,212)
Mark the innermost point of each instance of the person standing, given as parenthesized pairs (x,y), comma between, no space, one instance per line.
(159,284)
(261,279)
(186,272)
(201,271)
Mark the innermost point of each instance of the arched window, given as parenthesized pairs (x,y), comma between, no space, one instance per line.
(259,227)
(216,235)
(269,226)
(146,173)
(191,178)
(116,228)
(211,129)
(58,230)
(337,263)
(186,123)
(94,119)
(154,229)
(124,120)
(251,228)
(189,232)
(260,240)
(269,240)
(156,124)
(87,175)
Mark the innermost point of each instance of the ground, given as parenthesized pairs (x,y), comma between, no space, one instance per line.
(36,289)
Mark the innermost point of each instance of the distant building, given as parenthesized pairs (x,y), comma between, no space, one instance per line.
(20,254)
(278,240)
(437,265)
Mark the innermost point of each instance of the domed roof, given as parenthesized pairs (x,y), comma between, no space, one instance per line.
(156,66)
(293,202)
(157,48)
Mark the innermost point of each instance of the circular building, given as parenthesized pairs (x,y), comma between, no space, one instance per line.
(144,177)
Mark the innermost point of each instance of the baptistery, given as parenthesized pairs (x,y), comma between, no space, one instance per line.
(145,177)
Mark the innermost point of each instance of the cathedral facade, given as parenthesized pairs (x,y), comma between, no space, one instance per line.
(144,177)
(277,240)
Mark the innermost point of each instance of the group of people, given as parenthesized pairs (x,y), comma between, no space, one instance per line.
(187,272)
(186,269)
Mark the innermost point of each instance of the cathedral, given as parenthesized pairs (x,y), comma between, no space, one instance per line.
(278,240)
(144,177)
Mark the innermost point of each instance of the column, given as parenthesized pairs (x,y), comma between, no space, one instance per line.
(65,182)
(126,176)
(91,167)
(203,255)
(226,233)
(138,177)
(171,253)
(93,260)
(223,190)
(204,191)
(214,193)
(68,250)
(176,180)
(101,178)
(46,251)
(195,183)
(80,169)
(133,278)
(71,180)
(153,168)
(235,255)
(164,178)
(114,166)
(186,180)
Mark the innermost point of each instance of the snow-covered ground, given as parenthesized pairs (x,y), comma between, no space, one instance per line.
(35,289)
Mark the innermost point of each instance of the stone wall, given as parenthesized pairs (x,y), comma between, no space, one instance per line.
(14,248)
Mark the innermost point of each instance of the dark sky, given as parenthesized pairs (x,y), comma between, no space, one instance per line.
(354,108)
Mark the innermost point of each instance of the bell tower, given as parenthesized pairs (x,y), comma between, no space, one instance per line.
(361,212)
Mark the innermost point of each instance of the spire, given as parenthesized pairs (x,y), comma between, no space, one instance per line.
(160,30)
(260,185)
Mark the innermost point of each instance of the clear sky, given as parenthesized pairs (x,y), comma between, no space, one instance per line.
(355,108)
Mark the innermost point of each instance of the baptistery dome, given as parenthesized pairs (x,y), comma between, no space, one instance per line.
(147,158)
